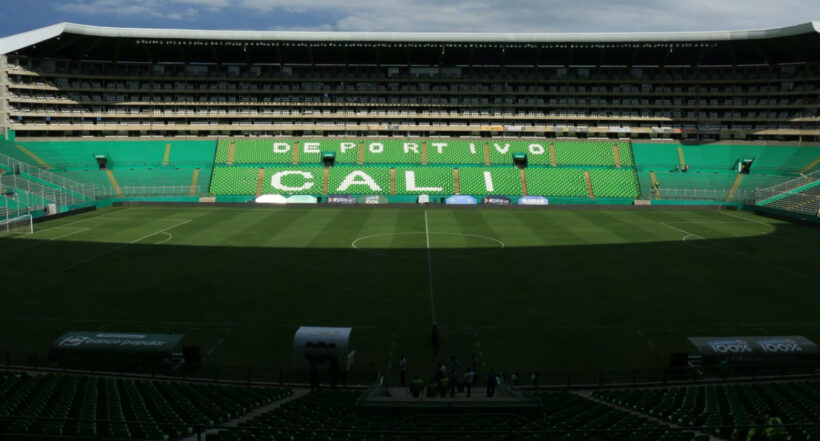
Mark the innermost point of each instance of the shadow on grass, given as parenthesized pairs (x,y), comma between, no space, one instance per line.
(557,307)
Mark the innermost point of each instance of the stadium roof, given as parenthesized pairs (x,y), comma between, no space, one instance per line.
(82,40)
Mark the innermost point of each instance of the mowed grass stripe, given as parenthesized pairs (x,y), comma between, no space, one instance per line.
(583,227)
(572,281)
(214,228)
(341,224)
(298,230)
(510,227)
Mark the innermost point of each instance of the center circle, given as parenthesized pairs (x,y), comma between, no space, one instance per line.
(414,242)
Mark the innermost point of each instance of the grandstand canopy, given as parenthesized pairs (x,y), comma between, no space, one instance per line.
(72,41)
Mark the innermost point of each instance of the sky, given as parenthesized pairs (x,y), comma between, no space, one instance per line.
(414,16)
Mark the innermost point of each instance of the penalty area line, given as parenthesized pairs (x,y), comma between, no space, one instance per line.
(88,259)
(732,250)
(219,342)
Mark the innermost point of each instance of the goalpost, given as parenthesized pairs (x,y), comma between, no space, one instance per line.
(17,225)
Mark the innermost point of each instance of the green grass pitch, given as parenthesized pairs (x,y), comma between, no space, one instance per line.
(552,290)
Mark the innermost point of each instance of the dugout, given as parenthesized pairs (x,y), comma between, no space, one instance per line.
(117,350)
(755,352)
(318,345)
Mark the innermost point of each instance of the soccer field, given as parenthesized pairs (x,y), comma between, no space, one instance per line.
(547,289)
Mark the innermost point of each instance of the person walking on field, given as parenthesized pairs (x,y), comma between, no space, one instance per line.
(469,377)
(403,370)
(492,382)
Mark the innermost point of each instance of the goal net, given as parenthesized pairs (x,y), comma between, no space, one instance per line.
(16,225)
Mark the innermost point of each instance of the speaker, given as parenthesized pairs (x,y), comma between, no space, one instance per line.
(192,356)
(678,359)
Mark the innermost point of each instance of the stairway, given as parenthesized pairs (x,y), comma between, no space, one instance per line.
(325,179)
(617,155)
(36,158)
(590,194)
(553,161)
(259,182)
(456,181)
(114,182)
(810,165)
(681,158)
(392,181)
(653,184)
(194,181)
(231,153)
(167,156)
(734,187)
(424,153)
(523,174)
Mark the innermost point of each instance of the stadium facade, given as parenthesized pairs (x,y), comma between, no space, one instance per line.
(70,80)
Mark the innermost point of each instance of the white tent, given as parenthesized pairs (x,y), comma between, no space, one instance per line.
(271,199)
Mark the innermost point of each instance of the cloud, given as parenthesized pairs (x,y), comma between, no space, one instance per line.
(470,15)
(139,8)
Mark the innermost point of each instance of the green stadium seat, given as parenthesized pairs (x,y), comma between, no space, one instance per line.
(566,182)
(614,183)
(455,151)
(168,409)
(425,180)
(392,151)
(290,180)
(586,152)
(359,180)
(490,180)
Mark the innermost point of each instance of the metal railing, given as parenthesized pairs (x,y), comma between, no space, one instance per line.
(702,194)
(525,431)
(68,166)
(775,190)
(15,165)
(23,195)
(210,373)
(366,375)
(802,203)
(150,191)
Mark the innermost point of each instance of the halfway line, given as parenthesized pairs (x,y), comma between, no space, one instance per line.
(430,268)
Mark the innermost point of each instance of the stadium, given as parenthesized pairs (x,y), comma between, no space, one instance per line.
(265,235)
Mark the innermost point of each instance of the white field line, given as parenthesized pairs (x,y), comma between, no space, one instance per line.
(170,236)
(466,329)
(161,231)
(390,353)
(191,325)
(732,250)
(88,259)
(38,242)
(83,220)
(219,342)
(479,351)
(430,268)
(79,230)
(706,222)
(754,221)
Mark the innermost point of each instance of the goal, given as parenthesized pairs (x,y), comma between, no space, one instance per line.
(16,225)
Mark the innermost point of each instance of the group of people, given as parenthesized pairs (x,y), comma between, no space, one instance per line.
(766,427)
(448,380)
